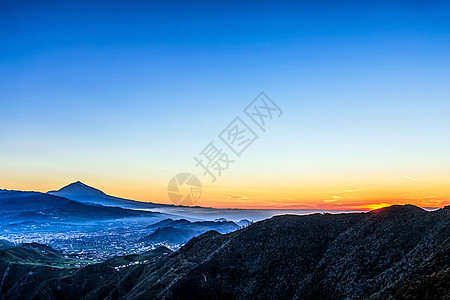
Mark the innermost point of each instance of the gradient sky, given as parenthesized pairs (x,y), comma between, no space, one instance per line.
(123,95)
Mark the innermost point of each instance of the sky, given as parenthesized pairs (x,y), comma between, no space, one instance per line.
(122,95)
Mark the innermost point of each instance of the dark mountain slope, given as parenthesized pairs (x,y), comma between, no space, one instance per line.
(103,281)
(371,256)
(181,231)
(5,244)
(401,252)
(28,269)
(170,235)
(24,267)
(26,206)
(271,258)
(16,200)
(312,257)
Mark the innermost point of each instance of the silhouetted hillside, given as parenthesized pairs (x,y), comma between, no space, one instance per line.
(170,235)
(180,231)
(17,206)
(401,252)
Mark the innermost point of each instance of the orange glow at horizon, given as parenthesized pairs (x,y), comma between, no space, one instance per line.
(318,196)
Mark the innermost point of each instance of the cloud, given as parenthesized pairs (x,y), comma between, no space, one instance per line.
(411,178)
(351,191)
(345,191)
(333,199)
(237,197)
(341,195)
(282,198)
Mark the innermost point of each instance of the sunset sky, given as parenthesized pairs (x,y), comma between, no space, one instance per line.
(123,96)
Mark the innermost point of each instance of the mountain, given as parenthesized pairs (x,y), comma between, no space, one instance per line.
(16,206)
(170,235)
(83,193)
(244,223)
(400,252)
(178,232)
(198,226)
(79,188)
(5,244)
(24,267)
(21,267)
(170,223)
(31,253)
(28,268)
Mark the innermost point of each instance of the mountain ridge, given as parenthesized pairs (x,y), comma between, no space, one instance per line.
(317,256)
(79,188)
(83,193)
(17,205)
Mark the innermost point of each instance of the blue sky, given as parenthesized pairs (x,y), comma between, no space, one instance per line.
(123,95)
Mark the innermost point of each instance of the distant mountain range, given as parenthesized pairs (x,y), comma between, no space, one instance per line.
(180,231)
(35,206)
(400,252)
(83,193)
(80,201)
(84,220)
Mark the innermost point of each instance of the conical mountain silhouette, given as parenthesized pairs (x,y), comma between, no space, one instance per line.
(80,189)
(81,192)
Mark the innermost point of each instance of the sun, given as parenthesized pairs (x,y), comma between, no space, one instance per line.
(376,206)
